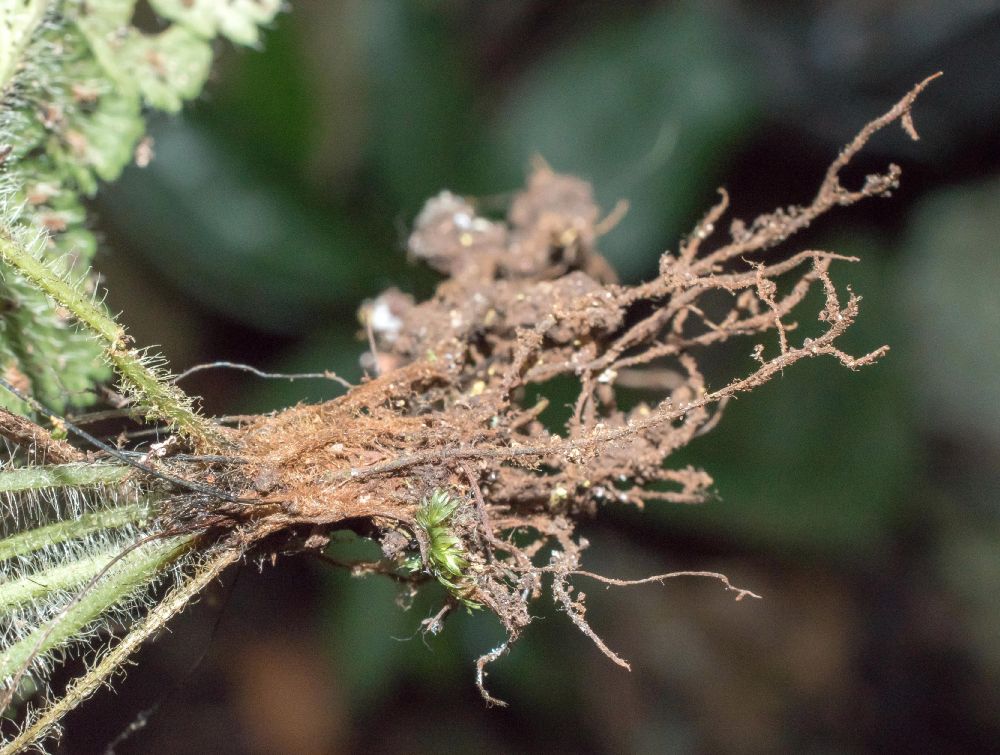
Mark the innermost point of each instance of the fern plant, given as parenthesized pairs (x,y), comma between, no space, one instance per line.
(438,456)
(78,80)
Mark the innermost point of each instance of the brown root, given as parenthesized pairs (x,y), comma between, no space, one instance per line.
(447,455)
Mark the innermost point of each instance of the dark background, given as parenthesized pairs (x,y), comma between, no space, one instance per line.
(865,507)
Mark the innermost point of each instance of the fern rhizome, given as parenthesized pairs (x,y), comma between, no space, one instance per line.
(442,456)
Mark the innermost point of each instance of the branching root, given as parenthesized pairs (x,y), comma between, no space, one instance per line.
(459,456)
(453,451)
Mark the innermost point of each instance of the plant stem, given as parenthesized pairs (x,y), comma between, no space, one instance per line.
(133,571)
(60,532)
(62,476)
(160,400)
(87,684)
(39,583)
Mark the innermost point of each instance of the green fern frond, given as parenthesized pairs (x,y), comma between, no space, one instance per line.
(76,79)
